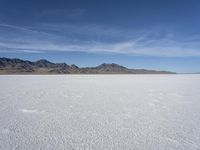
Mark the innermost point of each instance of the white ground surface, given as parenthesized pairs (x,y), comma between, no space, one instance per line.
(151,112)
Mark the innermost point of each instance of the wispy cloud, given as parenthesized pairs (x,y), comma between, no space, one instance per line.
(18,28)
(95,39)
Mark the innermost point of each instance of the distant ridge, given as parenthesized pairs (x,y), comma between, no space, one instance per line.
(42,66)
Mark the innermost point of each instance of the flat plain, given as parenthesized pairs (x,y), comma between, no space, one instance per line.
(144,112)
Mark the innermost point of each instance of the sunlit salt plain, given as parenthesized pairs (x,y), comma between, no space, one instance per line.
(151,112)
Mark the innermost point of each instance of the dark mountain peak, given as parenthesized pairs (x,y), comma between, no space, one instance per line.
(111,68)
(44,63)
(15,65)
(112,65)
(74,66)
(2,62)
(63,65)
(13,61)
(4,59)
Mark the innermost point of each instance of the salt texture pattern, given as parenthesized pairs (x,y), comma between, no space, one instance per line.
(145,112)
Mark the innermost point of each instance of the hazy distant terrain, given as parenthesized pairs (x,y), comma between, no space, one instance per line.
(18,66)
(151,112)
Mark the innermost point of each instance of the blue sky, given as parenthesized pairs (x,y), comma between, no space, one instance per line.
(151,34)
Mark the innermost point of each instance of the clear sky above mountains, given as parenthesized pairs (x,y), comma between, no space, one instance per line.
(151,34)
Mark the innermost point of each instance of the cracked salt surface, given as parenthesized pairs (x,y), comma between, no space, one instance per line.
(145,112)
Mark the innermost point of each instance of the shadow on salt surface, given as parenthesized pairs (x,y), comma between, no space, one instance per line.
(31,111)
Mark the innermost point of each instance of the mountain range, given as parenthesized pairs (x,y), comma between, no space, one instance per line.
(42,66)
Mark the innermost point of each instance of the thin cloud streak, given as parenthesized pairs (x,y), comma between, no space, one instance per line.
(68,37)
(21,28)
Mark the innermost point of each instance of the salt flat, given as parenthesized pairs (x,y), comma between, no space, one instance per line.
(151,112)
